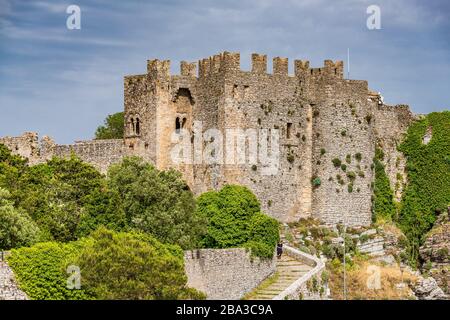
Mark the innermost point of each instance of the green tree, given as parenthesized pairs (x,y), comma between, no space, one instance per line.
(235,220)
(16,227)
(157,202)
(112,128)
(11,168)
(102,208)
(55,194)
(133,266)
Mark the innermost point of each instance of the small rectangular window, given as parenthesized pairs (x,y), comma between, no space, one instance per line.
(288,130)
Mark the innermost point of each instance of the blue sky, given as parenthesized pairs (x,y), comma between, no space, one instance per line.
(63,83)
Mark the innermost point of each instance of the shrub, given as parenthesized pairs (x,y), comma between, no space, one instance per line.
(350,187)
(351,175)
(322,151)
(358,156)
(316,182)
(336,162)
(41,270)
(348,158)
(235,220)
(343,167)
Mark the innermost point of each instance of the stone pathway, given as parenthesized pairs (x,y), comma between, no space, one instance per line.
(288,271)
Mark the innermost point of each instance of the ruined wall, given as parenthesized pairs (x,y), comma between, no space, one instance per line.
(226,274)
(100,153)
(26,145)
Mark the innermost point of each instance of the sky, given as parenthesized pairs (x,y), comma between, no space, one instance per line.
(63,83)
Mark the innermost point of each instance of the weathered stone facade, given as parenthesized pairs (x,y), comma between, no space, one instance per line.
(226,273)
(319,115)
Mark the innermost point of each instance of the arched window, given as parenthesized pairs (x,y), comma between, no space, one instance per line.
(132,126)
(138,126)
(177,125)
(183,123)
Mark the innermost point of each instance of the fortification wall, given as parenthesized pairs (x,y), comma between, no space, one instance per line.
(26,145)
(391,124)
(341,132)
(100,153)
(225,274)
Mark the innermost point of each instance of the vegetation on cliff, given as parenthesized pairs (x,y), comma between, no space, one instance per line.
(427,193)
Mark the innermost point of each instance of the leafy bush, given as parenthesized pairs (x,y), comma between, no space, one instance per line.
(337,162)
(316,182)
(41,270)
(351,175)
(235,220)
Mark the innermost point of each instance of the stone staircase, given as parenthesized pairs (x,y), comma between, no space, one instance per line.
(288,271)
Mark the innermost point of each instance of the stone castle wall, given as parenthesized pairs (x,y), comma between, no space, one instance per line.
(100,153)
(318,114)
(226,273)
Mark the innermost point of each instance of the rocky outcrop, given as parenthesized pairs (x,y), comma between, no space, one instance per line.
(428,289)
(435,252)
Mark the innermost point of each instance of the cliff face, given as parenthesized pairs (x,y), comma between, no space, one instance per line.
(435,252)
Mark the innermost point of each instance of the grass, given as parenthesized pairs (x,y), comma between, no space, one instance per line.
(262,286)
(359,275)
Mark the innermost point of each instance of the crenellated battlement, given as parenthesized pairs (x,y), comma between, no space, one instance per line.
(229,63)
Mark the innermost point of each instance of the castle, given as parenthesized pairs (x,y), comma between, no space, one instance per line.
(320,117)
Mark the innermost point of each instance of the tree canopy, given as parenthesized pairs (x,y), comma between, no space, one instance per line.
(112,128)
(235,220)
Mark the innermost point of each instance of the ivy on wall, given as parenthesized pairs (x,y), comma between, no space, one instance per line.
(428,167)
(383,200)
